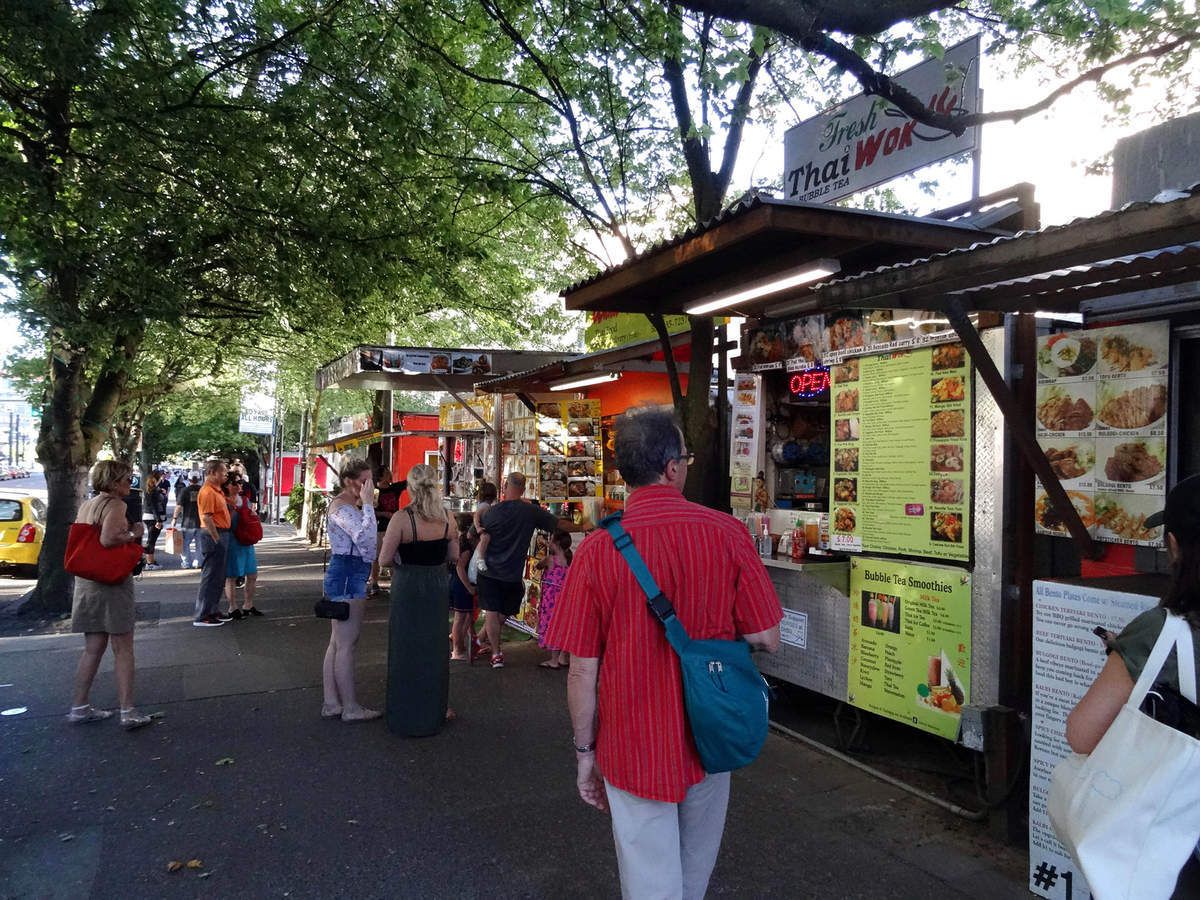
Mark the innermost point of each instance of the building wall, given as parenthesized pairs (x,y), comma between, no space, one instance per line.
(1164,157)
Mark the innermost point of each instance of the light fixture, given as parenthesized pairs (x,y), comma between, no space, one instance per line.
(809,272)
(584,381)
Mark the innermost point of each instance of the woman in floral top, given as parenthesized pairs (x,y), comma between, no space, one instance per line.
(352,542)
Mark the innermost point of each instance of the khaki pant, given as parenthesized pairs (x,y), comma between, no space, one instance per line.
(666,851)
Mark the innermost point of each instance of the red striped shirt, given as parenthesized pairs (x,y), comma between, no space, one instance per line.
(706,565)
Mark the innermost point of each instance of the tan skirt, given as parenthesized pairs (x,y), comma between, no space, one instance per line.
(103,607)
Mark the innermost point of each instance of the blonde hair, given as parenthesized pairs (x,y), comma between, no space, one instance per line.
(108,474)
(426,497)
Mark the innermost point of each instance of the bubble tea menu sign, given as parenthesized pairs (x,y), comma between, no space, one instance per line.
(901,479)
(910,643)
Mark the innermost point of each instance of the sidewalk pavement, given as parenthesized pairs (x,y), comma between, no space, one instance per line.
(243,775)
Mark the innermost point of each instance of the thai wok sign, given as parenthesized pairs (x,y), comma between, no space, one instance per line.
(867,141)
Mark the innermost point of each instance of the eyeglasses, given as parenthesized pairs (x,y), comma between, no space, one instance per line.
(687,458)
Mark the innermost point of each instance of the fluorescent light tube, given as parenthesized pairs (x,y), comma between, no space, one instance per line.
(584,381)
(810,272)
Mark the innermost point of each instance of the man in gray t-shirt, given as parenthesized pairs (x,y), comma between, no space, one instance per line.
(510,525)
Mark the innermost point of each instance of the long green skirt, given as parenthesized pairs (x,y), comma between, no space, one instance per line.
(418,651)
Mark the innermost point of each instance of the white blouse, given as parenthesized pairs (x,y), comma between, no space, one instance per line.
(352,531)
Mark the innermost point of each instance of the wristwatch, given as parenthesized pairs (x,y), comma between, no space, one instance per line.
(586,748)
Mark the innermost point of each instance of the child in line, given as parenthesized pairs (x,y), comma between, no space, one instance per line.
(554,564)
(462,593)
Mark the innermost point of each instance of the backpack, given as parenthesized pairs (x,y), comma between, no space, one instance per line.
(249,528)
(725,696)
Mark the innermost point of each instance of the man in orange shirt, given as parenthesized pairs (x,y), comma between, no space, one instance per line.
(213,544)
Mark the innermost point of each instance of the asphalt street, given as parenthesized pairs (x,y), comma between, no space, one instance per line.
(242,776)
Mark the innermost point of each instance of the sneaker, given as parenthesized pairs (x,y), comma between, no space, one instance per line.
(150,567)
(225,617)
(498,661)
(195,565)
(240,581)
(237,615)
(252,611)
(81,714)
(209,622)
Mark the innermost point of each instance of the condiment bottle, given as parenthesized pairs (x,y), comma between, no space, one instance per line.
(799,542)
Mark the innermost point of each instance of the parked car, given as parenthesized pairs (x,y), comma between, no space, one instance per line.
(22,527)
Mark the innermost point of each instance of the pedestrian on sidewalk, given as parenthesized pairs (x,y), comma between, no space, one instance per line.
(510,524)
(387,502)
(624,688)
(350,525)
(418,543)
(214,544)
(242,563)
(154,514)
(104,613)
(187,518)
(554,574)
(462,594)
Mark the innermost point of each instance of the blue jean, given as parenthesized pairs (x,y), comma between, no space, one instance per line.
(191,539)
(212,573)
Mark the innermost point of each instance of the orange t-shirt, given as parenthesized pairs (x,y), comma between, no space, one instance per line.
(211,502)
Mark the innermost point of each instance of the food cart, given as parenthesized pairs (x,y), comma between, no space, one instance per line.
(465,427)
(867,413)
(1103,417)
(558,431)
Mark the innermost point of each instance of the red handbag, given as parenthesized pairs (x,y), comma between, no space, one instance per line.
(249,526)
(87,558)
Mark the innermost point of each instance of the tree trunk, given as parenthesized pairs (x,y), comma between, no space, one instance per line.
(699,421)
(310,466)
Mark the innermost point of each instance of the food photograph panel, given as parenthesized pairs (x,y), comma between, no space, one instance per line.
(1131,404)
(1138,349)
(1067,354)
(1121,518)
(1139,463)
(845,372)
(946,491)
(1071,459)
(948,357)
(1066,407)
(1048,520)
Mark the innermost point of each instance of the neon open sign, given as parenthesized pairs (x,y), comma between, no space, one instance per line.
(810,384)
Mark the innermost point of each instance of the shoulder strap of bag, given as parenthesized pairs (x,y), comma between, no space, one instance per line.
(659,605)
(1176,633)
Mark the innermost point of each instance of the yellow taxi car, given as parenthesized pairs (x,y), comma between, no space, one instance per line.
(22,526)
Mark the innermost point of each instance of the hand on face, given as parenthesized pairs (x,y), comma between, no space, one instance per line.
(366,490)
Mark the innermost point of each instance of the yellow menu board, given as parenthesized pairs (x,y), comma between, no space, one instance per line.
(910,643)
(901,468)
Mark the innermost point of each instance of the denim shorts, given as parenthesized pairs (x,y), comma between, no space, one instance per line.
(346,577)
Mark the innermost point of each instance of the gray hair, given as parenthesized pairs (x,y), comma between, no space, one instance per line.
(516,480)
(212,466)
(648,438)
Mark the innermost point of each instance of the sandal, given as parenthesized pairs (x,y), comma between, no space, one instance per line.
(131,719)
(549,665)
(252,611)
(362,714)
(331,712)
(81,714)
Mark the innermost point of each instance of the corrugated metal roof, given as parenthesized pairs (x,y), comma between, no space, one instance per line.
(1184,194)
(745,206)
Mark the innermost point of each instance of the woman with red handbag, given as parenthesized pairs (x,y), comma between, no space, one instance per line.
(104,613)
(242,563)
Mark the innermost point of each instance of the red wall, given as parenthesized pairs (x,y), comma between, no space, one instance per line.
(287,469)
(409,451)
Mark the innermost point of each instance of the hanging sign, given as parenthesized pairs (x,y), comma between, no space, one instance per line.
(810,384)
(867,140)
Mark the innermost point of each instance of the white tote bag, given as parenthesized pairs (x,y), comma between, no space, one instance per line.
(1129,812)
(473,566)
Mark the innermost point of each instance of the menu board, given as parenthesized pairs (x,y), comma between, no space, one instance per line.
(454,416)
(798,344)
(417,362)
(910,643)
(558,447)
(746,439)
(1067,657)
(901,474)
(1102,423)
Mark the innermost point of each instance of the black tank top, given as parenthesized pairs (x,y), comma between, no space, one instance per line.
(423,553)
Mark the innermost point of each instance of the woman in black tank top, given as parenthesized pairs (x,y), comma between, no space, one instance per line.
(419,543)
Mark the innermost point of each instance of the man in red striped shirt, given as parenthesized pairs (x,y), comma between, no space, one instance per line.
(633,746)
